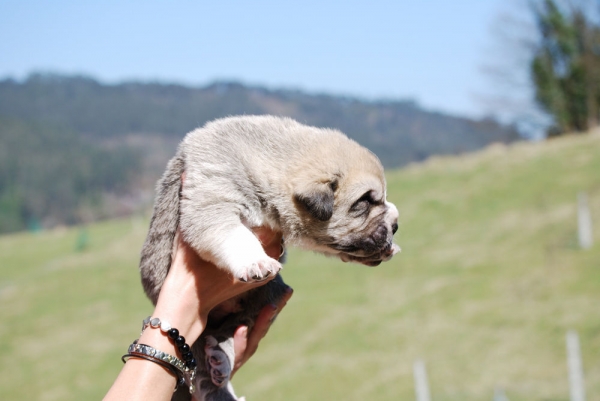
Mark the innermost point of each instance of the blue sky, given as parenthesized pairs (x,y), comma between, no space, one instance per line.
(429,50)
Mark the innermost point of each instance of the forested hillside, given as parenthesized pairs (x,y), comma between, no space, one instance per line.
(110,141)
(398,131)
(50,175)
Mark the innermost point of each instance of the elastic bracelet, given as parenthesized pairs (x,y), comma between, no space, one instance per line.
(184,368)
(173,334)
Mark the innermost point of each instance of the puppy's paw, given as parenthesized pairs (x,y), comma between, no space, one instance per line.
(243,255)
(217,362)
(259,270)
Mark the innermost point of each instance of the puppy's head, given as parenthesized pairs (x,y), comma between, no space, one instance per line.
(343,207)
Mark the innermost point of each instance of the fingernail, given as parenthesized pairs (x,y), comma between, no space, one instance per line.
(245,331)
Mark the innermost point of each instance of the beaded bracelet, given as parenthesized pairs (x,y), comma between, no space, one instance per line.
(184,370)
(173,334)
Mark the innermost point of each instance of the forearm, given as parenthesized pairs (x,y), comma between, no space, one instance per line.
(141,379)
(192,288)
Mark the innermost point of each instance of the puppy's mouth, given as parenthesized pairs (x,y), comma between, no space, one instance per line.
(354,253)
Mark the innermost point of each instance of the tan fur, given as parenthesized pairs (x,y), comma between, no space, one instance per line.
(323,191)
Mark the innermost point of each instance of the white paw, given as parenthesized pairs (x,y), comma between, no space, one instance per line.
(217,362)
(243,255)
(259,270)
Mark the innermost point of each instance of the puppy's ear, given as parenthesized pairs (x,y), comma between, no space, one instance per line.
(317,199)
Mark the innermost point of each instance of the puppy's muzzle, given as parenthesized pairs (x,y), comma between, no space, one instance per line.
(372,260)
(371,250)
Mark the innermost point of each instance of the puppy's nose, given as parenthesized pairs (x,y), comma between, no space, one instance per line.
(394,228)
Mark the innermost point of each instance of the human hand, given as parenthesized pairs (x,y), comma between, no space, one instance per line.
(245,344)
(193,284)
(192,288)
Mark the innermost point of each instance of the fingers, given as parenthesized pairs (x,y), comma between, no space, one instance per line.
(246,344)
(240,342)
(260,329)
(264,320)
(271,241)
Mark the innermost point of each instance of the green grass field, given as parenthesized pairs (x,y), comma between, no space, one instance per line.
(489,280)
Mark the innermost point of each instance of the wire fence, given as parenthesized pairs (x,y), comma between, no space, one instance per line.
(574,360)
(574,365)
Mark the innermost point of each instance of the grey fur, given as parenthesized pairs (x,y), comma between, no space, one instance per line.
(321,190)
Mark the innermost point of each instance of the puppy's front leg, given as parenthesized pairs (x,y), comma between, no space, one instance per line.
(242,253)
(218,235)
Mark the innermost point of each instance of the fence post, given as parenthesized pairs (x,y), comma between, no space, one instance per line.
(576,385)
(421,382)
(499,394)
(584,222)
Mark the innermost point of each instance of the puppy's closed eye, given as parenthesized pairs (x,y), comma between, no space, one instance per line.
(363,203)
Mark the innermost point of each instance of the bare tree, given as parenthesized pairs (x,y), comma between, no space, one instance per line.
(544,66)
(565,64)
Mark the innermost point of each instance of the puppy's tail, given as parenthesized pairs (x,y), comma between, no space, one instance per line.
(158,247)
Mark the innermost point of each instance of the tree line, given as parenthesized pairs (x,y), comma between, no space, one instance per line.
(565,67)
(50,175)
(73,149)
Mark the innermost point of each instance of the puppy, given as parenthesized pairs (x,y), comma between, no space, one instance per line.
(321,190)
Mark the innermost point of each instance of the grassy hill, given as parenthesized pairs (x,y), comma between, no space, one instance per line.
(489,281)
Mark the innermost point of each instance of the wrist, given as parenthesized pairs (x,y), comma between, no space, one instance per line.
(159,340)
(162,344)
(157,331)
(179,304)
(184,319)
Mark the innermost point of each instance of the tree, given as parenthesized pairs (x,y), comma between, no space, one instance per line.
(565,67)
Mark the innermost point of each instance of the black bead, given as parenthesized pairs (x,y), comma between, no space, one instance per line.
(191,364)
(184,348)
(180,340)
(187,356)
(173,334)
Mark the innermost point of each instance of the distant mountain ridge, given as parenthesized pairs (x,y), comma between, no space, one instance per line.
(74,150)
(399,132)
